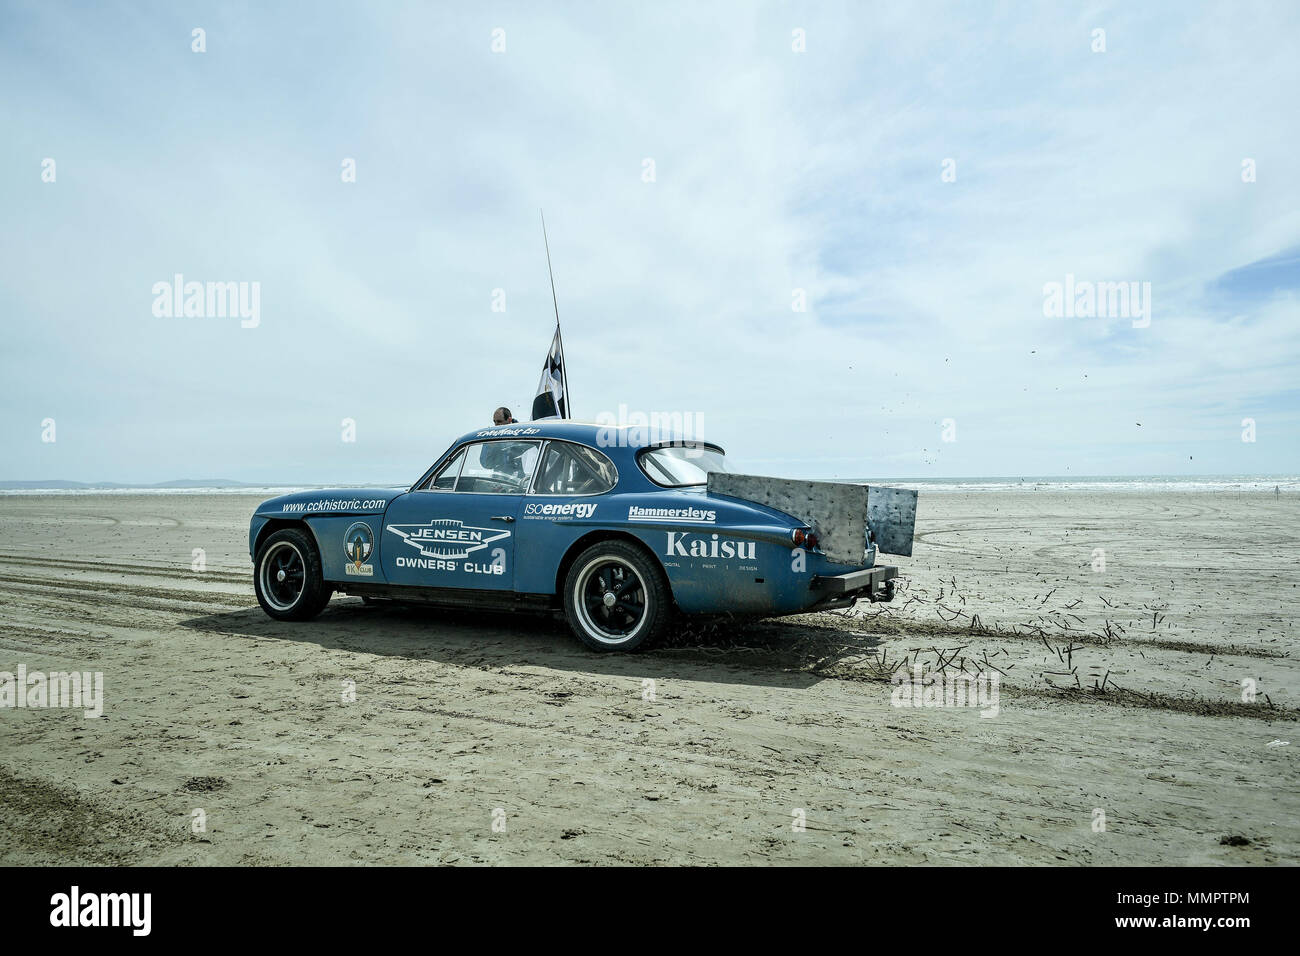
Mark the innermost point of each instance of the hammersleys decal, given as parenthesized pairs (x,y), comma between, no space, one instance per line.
(674,515)
(447,537)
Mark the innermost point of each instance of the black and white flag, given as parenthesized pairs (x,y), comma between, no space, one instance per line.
(551,401)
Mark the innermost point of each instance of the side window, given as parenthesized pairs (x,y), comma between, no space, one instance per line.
(445,480)
(574,470)
(499,467)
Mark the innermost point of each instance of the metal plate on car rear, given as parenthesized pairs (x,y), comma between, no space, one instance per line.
(838,511)
(891,513)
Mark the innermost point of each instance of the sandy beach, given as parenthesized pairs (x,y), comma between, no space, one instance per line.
(499,739)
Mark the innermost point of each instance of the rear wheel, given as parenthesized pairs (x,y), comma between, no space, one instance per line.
(616,597)
(287,576)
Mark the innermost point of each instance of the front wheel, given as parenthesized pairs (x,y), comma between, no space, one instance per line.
(616,597)
(287,576)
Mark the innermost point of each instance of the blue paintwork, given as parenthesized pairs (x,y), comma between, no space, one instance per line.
(720,554)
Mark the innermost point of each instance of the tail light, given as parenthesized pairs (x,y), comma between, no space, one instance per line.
(804,538)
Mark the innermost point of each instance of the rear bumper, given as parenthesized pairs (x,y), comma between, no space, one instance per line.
(875,584)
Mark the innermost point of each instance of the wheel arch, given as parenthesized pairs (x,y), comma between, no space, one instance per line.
(596,537)
(279,524)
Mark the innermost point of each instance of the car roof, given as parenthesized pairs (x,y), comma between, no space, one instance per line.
(594,434)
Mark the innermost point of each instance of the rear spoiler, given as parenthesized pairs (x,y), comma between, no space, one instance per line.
(840,513)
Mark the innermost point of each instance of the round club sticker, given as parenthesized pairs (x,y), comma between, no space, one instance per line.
(359,541)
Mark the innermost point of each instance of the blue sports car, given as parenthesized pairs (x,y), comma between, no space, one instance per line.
(618,529)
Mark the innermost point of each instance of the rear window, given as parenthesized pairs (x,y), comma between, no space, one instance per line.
(674,466)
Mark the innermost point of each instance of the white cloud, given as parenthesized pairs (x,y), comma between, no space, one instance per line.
(775,171)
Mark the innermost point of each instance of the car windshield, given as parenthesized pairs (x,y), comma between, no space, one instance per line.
(677,465)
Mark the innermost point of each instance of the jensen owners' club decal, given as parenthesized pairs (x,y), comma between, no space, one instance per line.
(447,537)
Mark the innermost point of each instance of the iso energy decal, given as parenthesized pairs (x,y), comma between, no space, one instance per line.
(572,509)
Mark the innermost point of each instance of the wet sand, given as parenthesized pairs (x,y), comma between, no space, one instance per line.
(499,739)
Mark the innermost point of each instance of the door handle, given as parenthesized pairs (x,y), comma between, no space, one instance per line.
(503,518)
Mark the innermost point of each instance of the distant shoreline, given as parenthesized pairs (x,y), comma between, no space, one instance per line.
(1255,484)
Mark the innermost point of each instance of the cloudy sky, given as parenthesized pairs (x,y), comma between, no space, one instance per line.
(915,174)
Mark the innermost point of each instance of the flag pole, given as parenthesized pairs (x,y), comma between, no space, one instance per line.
(564,364)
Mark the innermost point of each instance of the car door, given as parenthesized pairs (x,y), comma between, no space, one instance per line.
(458,531)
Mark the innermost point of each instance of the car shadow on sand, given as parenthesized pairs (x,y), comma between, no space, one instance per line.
(776,653)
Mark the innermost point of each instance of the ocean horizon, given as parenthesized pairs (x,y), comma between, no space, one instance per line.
(1027,484)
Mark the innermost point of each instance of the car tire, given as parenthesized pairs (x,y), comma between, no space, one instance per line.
(287,576)
(616,597)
